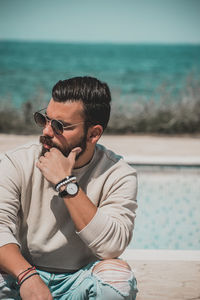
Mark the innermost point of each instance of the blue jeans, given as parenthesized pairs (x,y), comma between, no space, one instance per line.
(86,283)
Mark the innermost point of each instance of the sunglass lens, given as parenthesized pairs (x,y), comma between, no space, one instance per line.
(57,127)
(40,119)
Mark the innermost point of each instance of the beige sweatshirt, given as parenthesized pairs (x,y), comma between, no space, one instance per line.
(34,217)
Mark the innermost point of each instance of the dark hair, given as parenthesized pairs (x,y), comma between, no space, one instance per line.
(94,94)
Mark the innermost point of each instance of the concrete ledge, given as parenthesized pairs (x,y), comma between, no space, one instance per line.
(163,160)
(161,255)
(1,156)
(167,280)
(165,274)
(158,161)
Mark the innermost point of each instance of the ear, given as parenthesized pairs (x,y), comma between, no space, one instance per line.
(94,133)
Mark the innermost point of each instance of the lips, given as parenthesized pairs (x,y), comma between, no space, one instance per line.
(46,146)
(46,142)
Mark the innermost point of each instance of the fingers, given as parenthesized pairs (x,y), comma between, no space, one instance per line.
(41,161)
(54,162)
(53,149)
(38,164)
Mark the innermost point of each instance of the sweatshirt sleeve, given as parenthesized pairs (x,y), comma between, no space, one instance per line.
(9,201)
(110,230)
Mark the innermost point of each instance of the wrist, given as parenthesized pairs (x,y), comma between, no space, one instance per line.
(25,273)
(61,177)
(29,277)
(62,183)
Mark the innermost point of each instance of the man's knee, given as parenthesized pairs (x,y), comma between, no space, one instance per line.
(114,272)
(111,265)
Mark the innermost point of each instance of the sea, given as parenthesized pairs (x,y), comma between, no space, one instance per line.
(134,72)
(167,216)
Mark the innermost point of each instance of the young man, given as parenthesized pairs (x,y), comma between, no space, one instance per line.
(67,206)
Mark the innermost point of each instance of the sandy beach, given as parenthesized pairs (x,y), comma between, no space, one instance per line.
(129,145)
(165,278)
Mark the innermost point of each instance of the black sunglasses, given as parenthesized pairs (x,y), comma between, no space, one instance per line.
(42,120)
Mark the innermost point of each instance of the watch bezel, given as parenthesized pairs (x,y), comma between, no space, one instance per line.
(68,186)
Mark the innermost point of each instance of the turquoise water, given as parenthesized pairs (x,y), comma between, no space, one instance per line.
(168,215)
(29,70)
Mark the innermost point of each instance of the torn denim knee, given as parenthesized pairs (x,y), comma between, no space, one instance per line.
(117,274)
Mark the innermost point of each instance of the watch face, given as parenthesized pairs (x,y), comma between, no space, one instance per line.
(72,188)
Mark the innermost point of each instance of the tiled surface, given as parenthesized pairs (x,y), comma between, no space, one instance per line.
(168,210)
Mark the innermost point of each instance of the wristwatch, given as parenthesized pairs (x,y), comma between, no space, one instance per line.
(71,189)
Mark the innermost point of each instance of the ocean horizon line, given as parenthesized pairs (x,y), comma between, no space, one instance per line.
(153,43)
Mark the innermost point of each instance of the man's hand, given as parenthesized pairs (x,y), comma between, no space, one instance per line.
(55,166)
(35,289)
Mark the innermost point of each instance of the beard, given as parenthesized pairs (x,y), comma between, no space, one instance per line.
(67,149)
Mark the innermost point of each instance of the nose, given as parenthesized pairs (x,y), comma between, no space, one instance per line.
(48,131)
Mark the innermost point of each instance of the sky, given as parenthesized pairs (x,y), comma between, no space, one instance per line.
(121,21)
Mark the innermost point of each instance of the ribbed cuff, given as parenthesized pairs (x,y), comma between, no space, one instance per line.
(95,228)
(6,238)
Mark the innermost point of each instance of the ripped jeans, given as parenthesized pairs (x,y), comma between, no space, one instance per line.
(110,279)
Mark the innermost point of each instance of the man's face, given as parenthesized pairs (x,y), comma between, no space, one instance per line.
(68,113)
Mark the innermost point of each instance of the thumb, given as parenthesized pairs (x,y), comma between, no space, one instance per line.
(74,153)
